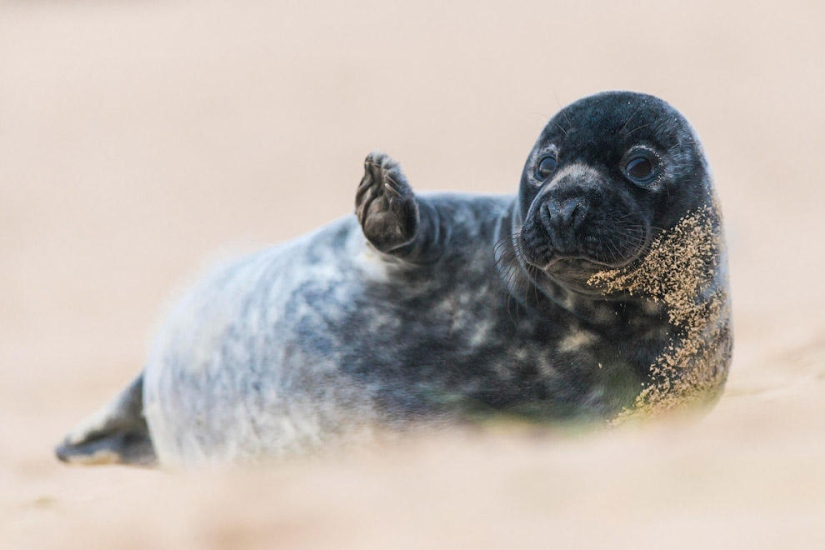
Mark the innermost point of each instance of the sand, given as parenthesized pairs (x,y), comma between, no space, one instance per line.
(140,141)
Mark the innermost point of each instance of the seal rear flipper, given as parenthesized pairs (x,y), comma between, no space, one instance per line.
(116,434)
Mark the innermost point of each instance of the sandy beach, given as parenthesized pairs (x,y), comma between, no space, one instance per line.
(140,142)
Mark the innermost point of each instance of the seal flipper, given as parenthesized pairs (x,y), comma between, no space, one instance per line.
(116,434)
(395,221)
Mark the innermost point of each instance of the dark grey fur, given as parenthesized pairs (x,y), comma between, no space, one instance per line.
(454,306)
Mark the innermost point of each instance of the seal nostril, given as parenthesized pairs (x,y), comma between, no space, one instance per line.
(545,217)
(572,212)
(579,214)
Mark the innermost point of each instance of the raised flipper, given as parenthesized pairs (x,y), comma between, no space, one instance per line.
(116,434)
(394,220)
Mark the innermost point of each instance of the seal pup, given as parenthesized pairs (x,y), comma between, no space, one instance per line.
(597,292)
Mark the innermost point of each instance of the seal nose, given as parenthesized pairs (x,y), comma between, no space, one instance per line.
(572,212)
(563,215)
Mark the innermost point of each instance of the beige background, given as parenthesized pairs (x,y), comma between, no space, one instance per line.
(140,140)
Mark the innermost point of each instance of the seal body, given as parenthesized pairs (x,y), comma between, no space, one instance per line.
(552,304)
(323,337)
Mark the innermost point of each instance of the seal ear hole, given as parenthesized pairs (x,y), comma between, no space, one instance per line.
(546,166)
(642,168)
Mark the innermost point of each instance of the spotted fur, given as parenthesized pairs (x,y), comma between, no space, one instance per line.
(428,309)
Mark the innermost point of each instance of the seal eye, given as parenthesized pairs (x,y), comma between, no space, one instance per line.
(640,169)
(546,166)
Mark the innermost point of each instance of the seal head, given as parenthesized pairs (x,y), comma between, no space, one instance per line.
(607,174)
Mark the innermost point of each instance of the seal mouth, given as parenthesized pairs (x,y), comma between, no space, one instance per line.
(550,258)
(582,233)
(573,267)
(557,257)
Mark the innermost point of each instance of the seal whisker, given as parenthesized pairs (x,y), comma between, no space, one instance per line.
(633,131)
(567,118)
(630,118)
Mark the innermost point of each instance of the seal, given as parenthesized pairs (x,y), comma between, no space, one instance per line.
(598,292)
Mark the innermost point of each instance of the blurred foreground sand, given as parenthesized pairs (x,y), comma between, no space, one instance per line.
(139,139)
